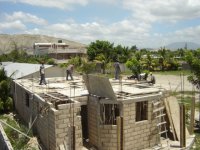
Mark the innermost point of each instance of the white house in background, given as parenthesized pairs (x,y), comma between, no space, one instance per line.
(58,51)
(26,70)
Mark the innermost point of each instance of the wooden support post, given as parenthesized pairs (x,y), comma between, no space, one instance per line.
(182,126)
(72,142)
(192,116)
(122,133)
(74,138)
(118,133)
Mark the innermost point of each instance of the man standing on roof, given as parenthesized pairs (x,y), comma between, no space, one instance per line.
(69,71)
(42,74)
(117,70)
(152,79)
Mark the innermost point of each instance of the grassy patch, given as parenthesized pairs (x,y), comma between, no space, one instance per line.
(18,141)
(197,140)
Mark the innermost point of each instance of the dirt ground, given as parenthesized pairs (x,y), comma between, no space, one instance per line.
(173,82)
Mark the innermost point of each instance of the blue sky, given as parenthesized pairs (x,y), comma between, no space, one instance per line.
(144,23)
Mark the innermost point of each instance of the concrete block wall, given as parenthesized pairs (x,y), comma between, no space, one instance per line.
(4,141)
(44,125)
(104,137)
(43,129)
(93,120)
(19,94)
(64,122)
(138,135)
(52,126)
(108,137)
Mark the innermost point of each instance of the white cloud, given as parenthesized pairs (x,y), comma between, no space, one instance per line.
(134,30)
(124,32)
(16,25)
(189,34)
(61,4)
(157,10)
(25,17)
(113,2)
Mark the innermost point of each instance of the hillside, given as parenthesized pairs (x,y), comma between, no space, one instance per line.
(177,45)
(26,41)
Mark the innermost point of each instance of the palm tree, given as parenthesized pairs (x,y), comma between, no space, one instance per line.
(163,58)
(149,62)
(101,51)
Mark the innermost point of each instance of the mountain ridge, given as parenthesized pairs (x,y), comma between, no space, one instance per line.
(178,45)
(9,42)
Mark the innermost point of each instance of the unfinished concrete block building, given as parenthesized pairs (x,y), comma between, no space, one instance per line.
(94,112)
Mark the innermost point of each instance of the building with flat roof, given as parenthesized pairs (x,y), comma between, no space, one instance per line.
(95,112)
(58,51)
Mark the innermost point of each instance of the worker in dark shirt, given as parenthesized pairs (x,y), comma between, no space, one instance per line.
(117,70)
(69,71)
(152,79)
(42,74)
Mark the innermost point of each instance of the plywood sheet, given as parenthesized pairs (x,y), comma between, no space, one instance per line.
(175,115)
(170,118)
(99,86)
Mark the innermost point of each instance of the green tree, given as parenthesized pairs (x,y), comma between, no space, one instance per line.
(51,61)
(135,63)
(163,58)
(100,47)
(5,99)
(101,51)
(148,62)
(193,59)
(126,54)
(87,67)
(134,49)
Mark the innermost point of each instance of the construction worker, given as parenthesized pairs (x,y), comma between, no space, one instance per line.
(152,79)
(42,74)
(117,69)
(69,71)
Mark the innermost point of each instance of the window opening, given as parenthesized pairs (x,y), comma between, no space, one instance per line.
(27,100)
(141,110)
(109,113)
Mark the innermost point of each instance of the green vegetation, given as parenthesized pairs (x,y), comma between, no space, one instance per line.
(106,53)
(18,141)
(22,57)
(193,58)
(197,141)
(136,60)
(5,98)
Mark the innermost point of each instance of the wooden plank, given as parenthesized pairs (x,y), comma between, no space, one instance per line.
(192,116)
(118,133)
(122,133)
(158,109)
(175,114)
(170,119)
(160,116)
(182,126)
(161,123)
(163,132)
